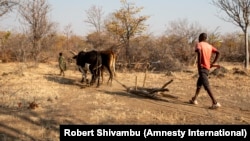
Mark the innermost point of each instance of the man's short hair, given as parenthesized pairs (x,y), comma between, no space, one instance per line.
(202,37)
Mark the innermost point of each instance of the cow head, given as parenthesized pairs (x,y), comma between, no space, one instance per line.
(80,61)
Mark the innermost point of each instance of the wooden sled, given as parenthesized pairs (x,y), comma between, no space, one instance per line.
(152,93)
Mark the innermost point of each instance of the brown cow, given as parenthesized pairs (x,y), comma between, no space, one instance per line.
(109,58)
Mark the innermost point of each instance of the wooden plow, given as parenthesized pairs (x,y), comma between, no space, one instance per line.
(152,93)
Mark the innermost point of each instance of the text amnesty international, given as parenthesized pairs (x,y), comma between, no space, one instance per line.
(156,133)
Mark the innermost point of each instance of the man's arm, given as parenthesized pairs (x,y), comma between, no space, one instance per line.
(217,54)
(198,59)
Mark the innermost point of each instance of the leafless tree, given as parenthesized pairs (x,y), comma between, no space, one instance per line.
(35,17)
(94,17)
(182,36)
(238,12)
(68,33)
(6,6)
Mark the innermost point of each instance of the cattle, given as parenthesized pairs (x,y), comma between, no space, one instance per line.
(94,59)
(108,62)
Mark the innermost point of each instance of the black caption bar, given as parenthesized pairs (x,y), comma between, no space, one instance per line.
(144,132)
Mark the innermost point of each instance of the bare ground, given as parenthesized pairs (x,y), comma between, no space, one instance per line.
(35,101)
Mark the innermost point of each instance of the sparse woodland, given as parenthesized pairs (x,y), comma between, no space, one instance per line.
(123,31)
(155,75)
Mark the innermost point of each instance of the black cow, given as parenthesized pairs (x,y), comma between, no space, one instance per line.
(108,62)
(94,59)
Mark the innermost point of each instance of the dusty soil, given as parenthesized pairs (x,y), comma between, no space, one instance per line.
(34,101)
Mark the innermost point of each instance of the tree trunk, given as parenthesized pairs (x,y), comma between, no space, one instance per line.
(246,47)
(128,59)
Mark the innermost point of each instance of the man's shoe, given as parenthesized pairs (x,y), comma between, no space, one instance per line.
(215,106)
(193,102)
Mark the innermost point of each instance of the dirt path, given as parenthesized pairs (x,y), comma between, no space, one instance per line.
(64,100)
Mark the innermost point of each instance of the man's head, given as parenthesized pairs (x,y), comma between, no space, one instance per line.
(60,54)
(202,37)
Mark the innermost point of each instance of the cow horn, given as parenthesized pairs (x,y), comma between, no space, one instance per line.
(72,52)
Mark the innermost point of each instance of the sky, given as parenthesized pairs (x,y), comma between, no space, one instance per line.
(161,12)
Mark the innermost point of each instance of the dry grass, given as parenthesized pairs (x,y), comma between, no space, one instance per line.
(64,100)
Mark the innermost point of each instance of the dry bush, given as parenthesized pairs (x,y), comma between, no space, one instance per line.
(219,72)
(7,56)
(240,72)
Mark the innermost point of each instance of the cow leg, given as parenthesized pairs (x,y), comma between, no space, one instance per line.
(86,69)
(93,73)
(102,70)
(84,74)
(93,78)
(98,77)
(110,76)
(98,68)
(112,66)
(83,78)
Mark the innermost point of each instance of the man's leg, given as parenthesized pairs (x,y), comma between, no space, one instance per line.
(197,92)
(206,84)
(211,96)
(198,88)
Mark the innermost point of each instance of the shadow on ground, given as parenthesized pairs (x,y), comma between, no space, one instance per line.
(8,132)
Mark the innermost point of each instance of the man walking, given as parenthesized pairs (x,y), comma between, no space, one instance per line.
(204,52)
